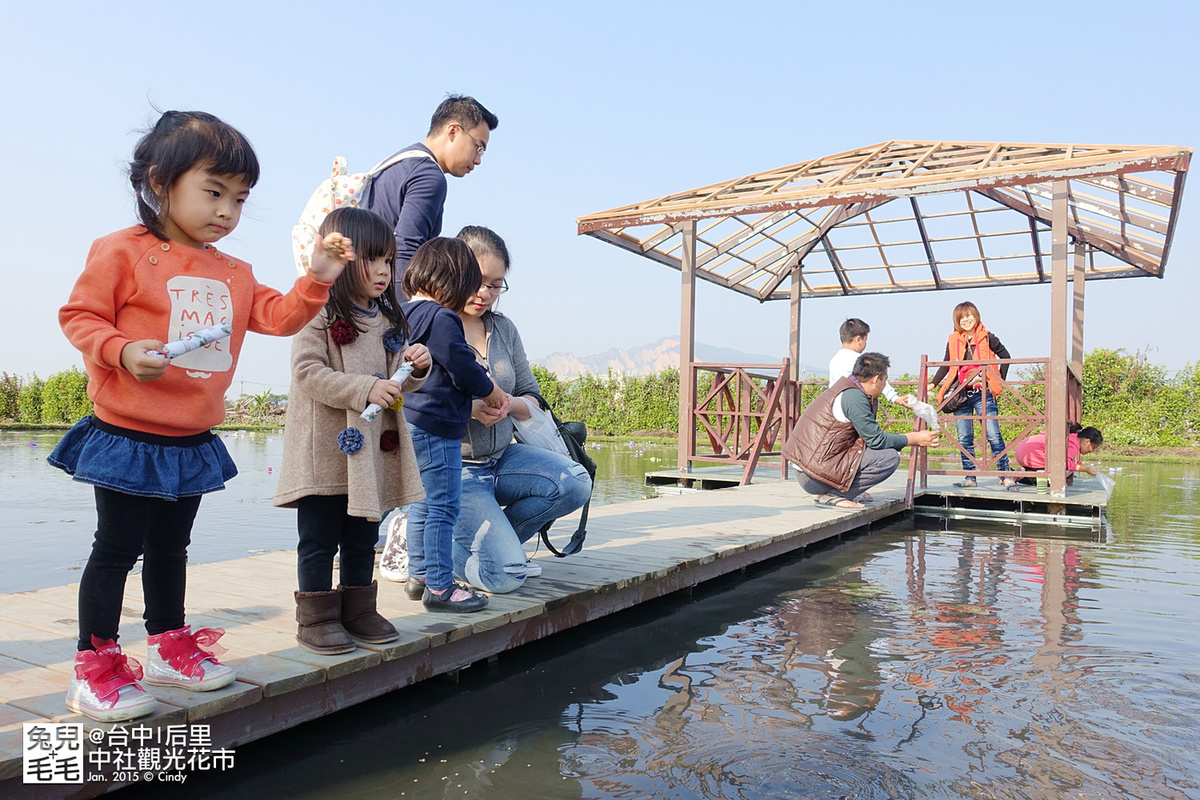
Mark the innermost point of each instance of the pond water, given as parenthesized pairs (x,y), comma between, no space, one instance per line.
(913,662)
(53,517)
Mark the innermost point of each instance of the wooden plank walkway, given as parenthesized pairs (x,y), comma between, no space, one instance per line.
(635,552)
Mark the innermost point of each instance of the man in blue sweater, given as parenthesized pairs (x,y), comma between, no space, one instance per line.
(410,195)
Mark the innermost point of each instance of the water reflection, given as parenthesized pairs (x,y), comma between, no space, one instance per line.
(981,662)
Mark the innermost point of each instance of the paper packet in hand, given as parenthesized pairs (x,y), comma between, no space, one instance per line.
(399,376)
(194,341)
(926,412)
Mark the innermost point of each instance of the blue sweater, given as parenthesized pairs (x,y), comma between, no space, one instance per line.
(410,195)
(442,406)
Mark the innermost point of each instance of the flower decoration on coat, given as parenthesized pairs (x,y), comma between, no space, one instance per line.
(343,332)
(350,441)
(389,441)
(393,340)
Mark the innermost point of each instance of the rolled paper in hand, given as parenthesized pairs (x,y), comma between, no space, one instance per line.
(399,376)
(193,341)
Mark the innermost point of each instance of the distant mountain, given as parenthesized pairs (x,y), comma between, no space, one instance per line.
(648,359)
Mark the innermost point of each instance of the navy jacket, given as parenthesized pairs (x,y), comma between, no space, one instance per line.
(442,406)
(410,195)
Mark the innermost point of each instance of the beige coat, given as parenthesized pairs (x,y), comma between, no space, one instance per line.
(330,384)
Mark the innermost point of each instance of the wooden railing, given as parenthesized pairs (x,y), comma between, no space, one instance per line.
(1021,406)
(743,412)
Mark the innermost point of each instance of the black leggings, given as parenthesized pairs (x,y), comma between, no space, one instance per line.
(324,526)
(128,526)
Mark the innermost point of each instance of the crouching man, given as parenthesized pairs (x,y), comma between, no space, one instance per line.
(838,442)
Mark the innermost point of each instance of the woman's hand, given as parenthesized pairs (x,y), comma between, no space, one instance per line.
(497,398)
(519,407)
(142,366)
(330,256)
(485,415)
(384,393)
(418,356)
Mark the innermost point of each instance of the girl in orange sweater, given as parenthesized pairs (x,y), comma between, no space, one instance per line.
(148,447)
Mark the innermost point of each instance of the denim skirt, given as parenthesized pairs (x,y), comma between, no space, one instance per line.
(143,464)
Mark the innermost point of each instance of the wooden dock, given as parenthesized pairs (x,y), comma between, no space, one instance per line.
(635,552)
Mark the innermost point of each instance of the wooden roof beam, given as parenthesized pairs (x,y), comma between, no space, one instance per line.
(735,239)
(1132,257)
(1144,242)
(1037,249)
(933,264)
(1180,177)
(804,245)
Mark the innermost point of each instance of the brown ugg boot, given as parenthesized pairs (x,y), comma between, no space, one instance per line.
(319,616)
(360,618)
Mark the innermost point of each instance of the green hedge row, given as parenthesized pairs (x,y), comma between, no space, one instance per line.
(1134,402)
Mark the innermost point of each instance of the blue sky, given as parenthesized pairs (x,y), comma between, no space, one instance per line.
(600,105)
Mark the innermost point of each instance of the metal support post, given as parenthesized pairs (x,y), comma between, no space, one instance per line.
(1056,371)
(687,347)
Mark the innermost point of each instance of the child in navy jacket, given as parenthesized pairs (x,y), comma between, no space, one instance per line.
(441,277)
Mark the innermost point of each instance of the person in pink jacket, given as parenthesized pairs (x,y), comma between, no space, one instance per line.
(1031,452)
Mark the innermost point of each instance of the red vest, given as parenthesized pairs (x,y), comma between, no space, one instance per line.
(981,350)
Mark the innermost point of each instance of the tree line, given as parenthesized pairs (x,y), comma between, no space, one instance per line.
(1133,401)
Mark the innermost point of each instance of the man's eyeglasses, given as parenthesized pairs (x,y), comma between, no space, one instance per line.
(480,147)
(500,288)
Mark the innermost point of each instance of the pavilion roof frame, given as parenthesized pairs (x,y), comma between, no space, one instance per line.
(904,216)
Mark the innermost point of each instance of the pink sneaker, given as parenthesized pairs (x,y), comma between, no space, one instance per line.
(178,658)
(105,685)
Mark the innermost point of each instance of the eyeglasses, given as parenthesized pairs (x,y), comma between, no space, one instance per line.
(501,289)
(480,147)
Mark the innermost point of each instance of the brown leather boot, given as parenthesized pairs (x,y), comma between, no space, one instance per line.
(360,618)
(320,629)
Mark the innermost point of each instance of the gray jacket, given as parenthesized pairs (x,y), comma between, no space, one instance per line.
(506,362)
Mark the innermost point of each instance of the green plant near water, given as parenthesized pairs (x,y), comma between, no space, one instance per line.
(264,408)
(10,392)
(29,401)
(1136,403)
(64,397)
(60,399)
(1133,401)
(615,404)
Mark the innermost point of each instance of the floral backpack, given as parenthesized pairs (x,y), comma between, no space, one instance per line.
(340,189)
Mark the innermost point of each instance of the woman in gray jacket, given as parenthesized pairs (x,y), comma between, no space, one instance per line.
(510,490)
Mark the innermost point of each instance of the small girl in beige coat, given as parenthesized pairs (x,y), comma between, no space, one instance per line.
(340,471)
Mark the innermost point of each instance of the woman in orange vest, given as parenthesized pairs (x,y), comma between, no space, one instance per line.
(972,341)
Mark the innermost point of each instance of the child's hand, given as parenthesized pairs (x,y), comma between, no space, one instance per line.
(139,364)
(384,393)
(330,256)
(498,397)
(418,356)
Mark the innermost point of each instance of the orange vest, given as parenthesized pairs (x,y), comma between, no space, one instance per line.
(981,350)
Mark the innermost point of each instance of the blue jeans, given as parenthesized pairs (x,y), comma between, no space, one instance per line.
(966,429)
(431,521)
(505,501)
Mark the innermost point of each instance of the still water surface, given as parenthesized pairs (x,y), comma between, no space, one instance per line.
(53,518)
(979,662)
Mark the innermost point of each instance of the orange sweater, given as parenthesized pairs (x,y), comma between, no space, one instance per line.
(136,286)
